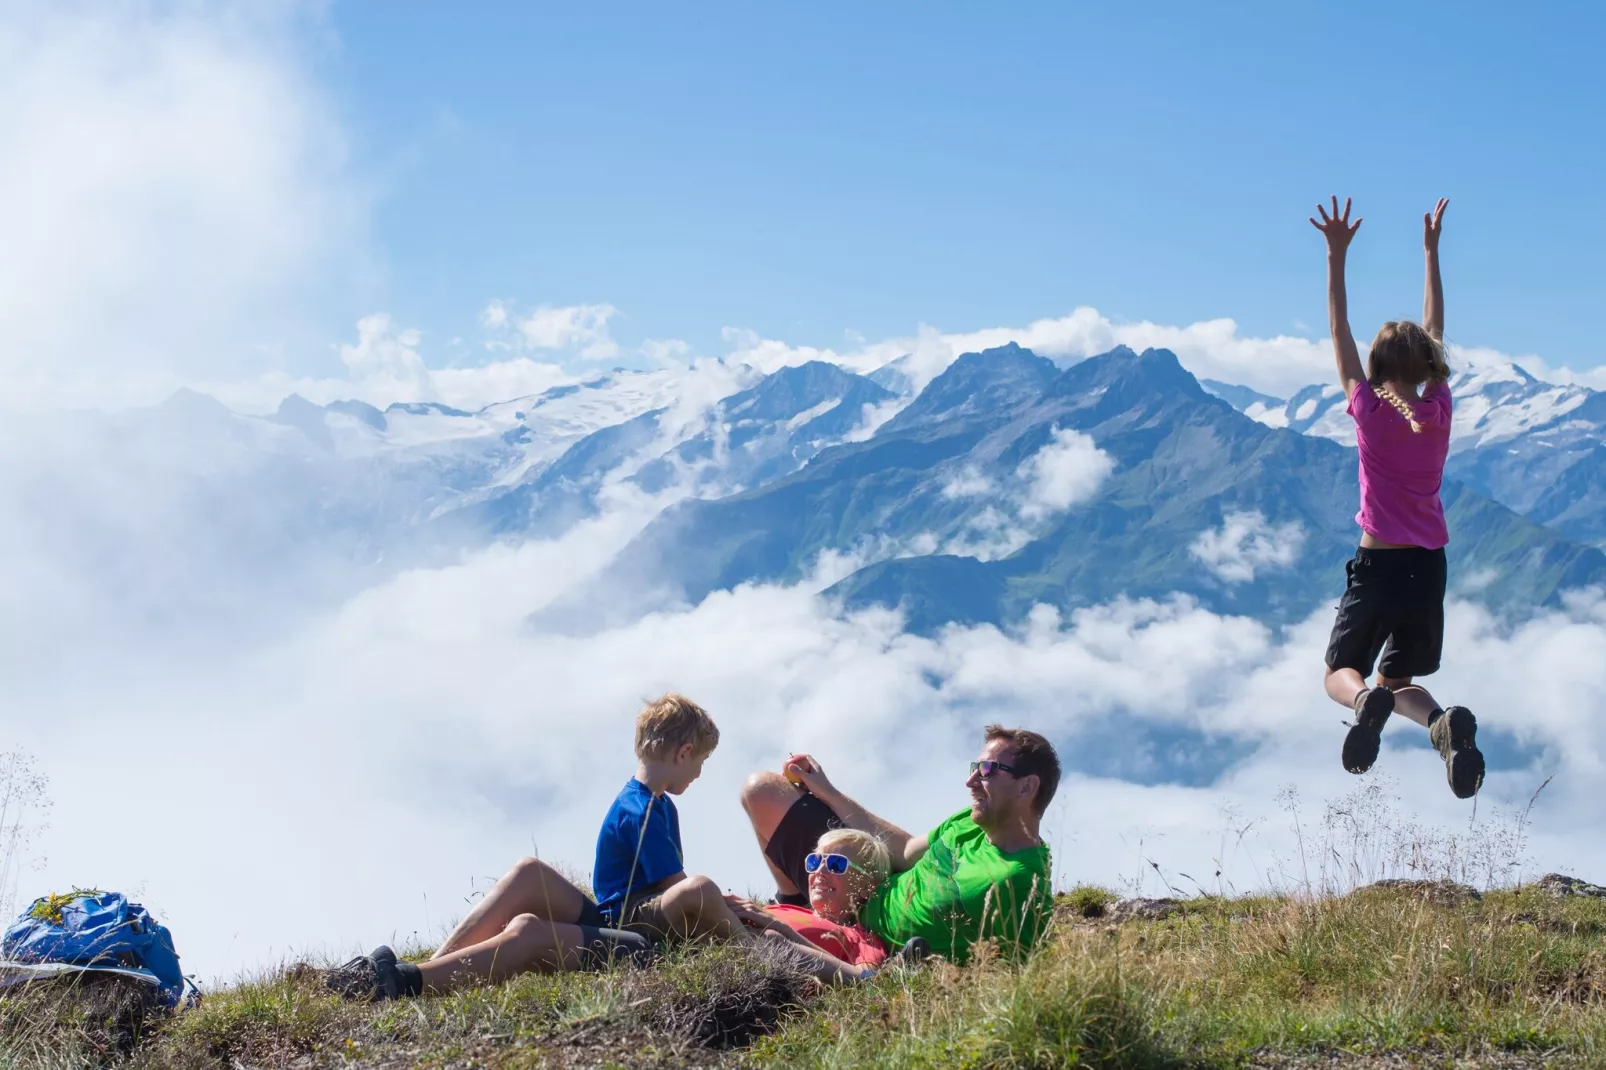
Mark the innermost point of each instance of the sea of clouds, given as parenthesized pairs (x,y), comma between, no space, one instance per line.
(280,773)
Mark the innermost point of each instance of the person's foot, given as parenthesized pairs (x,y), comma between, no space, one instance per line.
(1372,709)
(368,977)
(1454,735)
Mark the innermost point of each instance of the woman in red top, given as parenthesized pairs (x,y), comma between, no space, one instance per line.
(848,867)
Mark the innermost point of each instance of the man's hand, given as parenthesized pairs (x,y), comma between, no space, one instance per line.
(805,772)
(1432,224)
(1336,228)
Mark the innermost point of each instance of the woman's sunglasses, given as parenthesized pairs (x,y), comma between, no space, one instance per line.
(833,863)
(990,769)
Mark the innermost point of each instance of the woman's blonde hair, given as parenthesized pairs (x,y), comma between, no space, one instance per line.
(867,850)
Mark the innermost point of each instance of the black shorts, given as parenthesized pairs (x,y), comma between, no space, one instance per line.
(795,838)
(1393,605)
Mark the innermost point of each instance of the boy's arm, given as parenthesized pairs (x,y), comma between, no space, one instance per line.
(1338,231)
(1433,287)
(905,849)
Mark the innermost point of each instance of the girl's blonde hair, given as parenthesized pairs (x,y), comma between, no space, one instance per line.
(1404,352)
(867,850)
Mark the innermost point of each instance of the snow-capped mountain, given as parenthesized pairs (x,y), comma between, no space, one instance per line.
(1007,481)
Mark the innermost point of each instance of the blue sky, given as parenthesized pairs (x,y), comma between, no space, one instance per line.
(808,172)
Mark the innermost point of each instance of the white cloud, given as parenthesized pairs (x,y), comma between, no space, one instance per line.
(967,483)
(175,203)
(495,315)
(666,352)
(386,365)
(1245,544)
(581,328)
(1068,469)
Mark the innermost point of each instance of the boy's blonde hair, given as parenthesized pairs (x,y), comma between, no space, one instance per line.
(867,850)
(666,724)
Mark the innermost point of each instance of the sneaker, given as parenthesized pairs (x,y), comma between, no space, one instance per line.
(1372,709)
(1454,736)
(369,977)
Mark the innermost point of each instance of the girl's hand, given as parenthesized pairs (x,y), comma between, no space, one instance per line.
(1432,224)
(1335,228)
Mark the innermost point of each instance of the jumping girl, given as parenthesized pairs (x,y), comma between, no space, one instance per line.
(1393,601)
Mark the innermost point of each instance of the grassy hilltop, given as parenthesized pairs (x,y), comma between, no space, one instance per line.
(1428,974)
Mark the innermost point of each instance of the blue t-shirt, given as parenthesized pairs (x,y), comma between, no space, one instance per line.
(638,847)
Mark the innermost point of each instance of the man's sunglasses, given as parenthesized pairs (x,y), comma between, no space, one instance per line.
(989,769)
(833,863)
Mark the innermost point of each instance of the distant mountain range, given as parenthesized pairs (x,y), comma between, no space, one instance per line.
(1187,467)
(1007,482)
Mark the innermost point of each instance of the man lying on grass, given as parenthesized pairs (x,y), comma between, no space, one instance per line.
(983,874)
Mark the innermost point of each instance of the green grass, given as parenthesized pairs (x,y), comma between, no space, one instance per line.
(1515,979)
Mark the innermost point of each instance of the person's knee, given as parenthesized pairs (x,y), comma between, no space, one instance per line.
(1394,683)
(765,787)
(695,889)
(691,897)
(522,925)
(527,867)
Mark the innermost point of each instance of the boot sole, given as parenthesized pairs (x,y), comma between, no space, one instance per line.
(1366,735)
(1464,765)
(1361,747)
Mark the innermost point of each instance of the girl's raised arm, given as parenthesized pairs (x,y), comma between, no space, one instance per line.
(1433,289)
(1338,231)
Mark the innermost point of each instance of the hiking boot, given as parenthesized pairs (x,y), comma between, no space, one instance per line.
(912,953)
(353,979)
(1372,709)
(369,978)
(1454,736)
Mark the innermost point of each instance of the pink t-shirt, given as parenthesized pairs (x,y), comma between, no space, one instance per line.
(853,944)
(1401,469)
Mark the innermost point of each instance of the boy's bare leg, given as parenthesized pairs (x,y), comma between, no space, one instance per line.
(767,797)
(1410,699)
(526,943)
(696,908)
(530,887)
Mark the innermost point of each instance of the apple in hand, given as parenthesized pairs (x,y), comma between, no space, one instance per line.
(802,762)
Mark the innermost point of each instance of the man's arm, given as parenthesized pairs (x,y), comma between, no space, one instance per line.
(905,849)
(1433,287)
(1338,231)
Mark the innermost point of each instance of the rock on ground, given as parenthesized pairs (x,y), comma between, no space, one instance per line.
(1561,887)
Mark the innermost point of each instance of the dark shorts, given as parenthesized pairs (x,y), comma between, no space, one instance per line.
(590,915)
(644,916)
(795,838)
(1393,605)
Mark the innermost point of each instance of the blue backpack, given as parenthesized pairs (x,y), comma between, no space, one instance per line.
(98,931)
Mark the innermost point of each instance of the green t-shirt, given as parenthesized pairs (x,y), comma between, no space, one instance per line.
(963,890)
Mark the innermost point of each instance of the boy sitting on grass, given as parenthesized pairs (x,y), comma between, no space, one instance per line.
(535,919)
